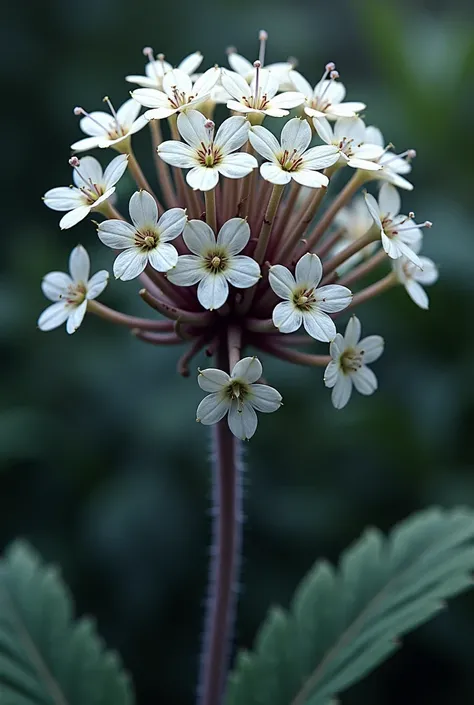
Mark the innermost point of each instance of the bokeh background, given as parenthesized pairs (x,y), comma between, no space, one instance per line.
(102,466)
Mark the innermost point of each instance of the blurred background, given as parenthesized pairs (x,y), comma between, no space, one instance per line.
(102,466)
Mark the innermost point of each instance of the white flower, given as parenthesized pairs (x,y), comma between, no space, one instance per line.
(350,357)
(393,165)
(71,292)
(260,97)
(147,240)
(236,395)
(215,263)
(325,100)
(412,277)
(292,159)
(156,69)
(178,94)
(208,156)
(303,302)
(355,220)
(92,188)
(400,235)
(109,130)
(349,137)
(281,70)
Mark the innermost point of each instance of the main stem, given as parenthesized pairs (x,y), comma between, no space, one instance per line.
(225,553)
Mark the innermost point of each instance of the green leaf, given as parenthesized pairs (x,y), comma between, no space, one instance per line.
(45,657)
(342,624)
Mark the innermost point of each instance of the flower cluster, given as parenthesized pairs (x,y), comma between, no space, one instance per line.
(244,237)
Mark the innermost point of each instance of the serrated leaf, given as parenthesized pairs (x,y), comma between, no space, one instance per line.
(342,624)
(45,657)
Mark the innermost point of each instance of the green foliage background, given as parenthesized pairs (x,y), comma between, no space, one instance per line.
(102,466)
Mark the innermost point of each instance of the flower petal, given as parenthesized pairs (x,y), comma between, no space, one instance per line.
(143,210)
(64,198)
(116,234)
(331,373)
(128,113)
(55,285)
(282,281)
(213,291)
(417,294)
(371,347)
(275,173)
(232,134)
(308,271)
(85,144)
(324,129)
(389,200)
(364,380)
(301,84)
(53,316)
(97,284)
(151,98)
(242,420)
(350,128)
(310,178)
(171,224)
(286,317)
(364,164)
(337,347)
(234,235)
(235,84)
(374,209)
(130,264)
(212,379)
(242,272)
(115,170)
(79,264)
(333,298)
(88,172)
(160,113)
(198,237)
(75,318)
(264,398)
(320,157)
(248,369)
(429,274)
(352,333)
(163,258)
(264,142)
(177,79)
(203,178)
(74,217)
(191,63)
(289,99)
(206,81)
(191,128)
(318,325)
(212,409)
(342,391)
(333,91)
(296,135)
(240,65)
(98,124)
(187,271)
(236,166)
(178,154)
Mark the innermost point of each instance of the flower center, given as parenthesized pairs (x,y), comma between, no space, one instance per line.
(238,390)
(216,261)
(146,239)
(304,299)
(351,360)
(290,161)
(76,294)
(179,98)
(209,155)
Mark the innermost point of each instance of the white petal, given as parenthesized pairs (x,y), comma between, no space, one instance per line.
(128,113)
(55,285)
(130,264)
(171,224)
(334,92)
(320,157)
(318,325)
(203,178)
(242,420)
(333,298)
(64,198)
(389,200)
(282,281)
(308,271)
(75,318)
(296,134)
(236,166)
(98,124)
(273,112)
(301,84)
(53,316)
(212,379)
(85,144)
(324,129)
(191,128)
(268,83)
(395,247)
(337,347)
(248,369)
(206,82)
(115,170)
(79,264)
(286,317)
(265,398)
(177,79)
(371,347)
(232,134)
(363,164)
(352,333)
(342,391)
(151,98)
(198,237)
(429,274)
(240,107)
(191,63)
(143,210)
(417,294)
(264,142)
(374,209)
(116,234)
(289,99)
(74,217)
(187,271)
(234,235)
(105,196)
(348,109)
(374,136)
(213,291)
(242,272)
(331,373)
(145,81)
(160,113)
(368,151)
(240,65)
(163,258)
(364,380)
(350,128)
(275,173)
(212,409)
(309,178)
(89,172)
(178,154)
(97,284)
(235,84)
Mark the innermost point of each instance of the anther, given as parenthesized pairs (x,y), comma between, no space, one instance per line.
(330,66)
(411,215)
(263,36)
(74,162)
(257,66)
(148,52)
(333,75)
(79,111)
(149,240)
(411,153)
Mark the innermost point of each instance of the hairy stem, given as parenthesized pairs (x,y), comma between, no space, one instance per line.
(225,553)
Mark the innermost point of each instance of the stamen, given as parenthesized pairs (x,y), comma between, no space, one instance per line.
(107,100)
(209,127)
(332,77)
(408,154)
(148,52)
(161,59)
(257,66)
(262,36)
(80,111)
(75,163)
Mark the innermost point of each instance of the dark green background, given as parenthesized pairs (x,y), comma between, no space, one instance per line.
(102,466)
